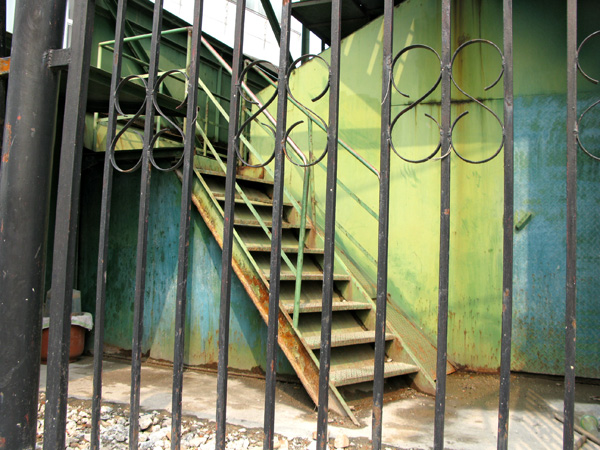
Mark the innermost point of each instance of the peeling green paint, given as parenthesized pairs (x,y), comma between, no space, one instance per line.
(247,349)
(476,190)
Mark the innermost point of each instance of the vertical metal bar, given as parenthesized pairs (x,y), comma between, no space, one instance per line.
(384,208)
(278,182)
(217,116)
(233,143)
(194,46)
(301,240)
(107,180)
(571,280)
(442,329)
(305,47)
(142,240)
(4,51)
(65,234)
(330,205)
(507,263)
(306,186)
(24,205)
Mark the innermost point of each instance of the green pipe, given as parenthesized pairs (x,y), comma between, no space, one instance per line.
(139,37)
(301,241)
(302,237)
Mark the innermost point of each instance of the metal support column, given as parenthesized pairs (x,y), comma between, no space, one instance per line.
(25,174)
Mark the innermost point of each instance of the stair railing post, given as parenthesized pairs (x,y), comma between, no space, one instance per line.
(302,234)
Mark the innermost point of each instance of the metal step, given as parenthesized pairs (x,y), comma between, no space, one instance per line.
(256,196)
(257,241)
(345,339)
(238,177)
(359,374)
(317,306)
(310,270)
(244,217)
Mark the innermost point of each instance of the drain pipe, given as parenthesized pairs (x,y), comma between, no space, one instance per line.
(25,174)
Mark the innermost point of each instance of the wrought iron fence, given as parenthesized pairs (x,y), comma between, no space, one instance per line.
(68,197)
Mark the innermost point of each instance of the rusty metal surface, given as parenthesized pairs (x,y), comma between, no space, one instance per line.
(288,340)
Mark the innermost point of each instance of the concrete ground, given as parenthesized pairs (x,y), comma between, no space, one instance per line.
(471,407)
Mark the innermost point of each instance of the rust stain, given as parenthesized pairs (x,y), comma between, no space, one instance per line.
(4,65)
(447,212)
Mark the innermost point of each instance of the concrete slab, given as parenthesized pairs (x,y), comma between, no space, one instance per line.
(471,409)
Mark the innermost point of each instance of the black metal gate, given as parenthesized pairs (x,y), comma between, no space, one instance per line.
(68,203)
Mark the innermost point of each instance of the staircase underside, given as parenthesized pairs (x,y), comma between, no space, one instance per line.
(408,352)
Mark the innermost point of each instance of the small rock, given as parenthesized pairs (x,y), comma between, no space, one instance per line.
(106,410)
(145,422)
(312,445)
(195,442)
(341,441)
(208,445)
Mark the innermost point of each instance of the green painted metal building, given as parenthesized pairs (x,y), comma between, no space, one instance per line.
(476,192)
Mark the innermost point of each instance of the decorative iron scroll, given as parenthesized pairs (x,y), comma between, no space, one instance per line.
(413,105)
(254,116)
(140,112)
(306,162)
(458,50)
(593,105)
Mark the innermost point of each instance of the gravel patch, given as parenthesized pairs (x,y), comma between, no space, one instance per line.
(155,431)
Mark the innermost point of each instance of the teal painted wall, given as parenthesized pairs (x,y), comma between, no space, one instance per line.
(248,332)
(476,190)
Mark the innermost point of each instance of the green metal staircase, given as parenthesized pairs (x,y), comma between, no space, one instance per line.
(352,356)
(408,352)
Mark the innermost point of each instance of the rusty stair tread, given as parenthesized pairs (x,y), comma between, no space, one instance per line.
(244,217)
(341,339)
(218,173)
(256,196)
(316,306)
(257,241)
(312,291)
(364,372)
(310,270)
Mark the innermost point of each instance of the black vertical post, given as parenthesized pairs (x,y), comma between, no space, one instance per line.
(571,281)
(67,215)
(329,245)
(384,208)
(305,48)
(442,329)
(4,51)
(507,263)
(233,143)
(104,227)
(25,173)
(142,242)
(184,224)
(274,282)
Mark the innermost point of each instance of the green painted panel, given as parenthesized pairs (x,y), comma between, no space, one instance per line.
(476,190)
(248,331)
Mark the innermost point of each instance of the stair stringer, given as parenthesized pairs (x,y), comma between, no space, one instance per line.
(301,359)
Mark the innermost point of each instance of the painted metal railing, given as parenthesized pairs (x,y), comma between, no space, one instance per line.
(445,148)
(311,117)
(70,171)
